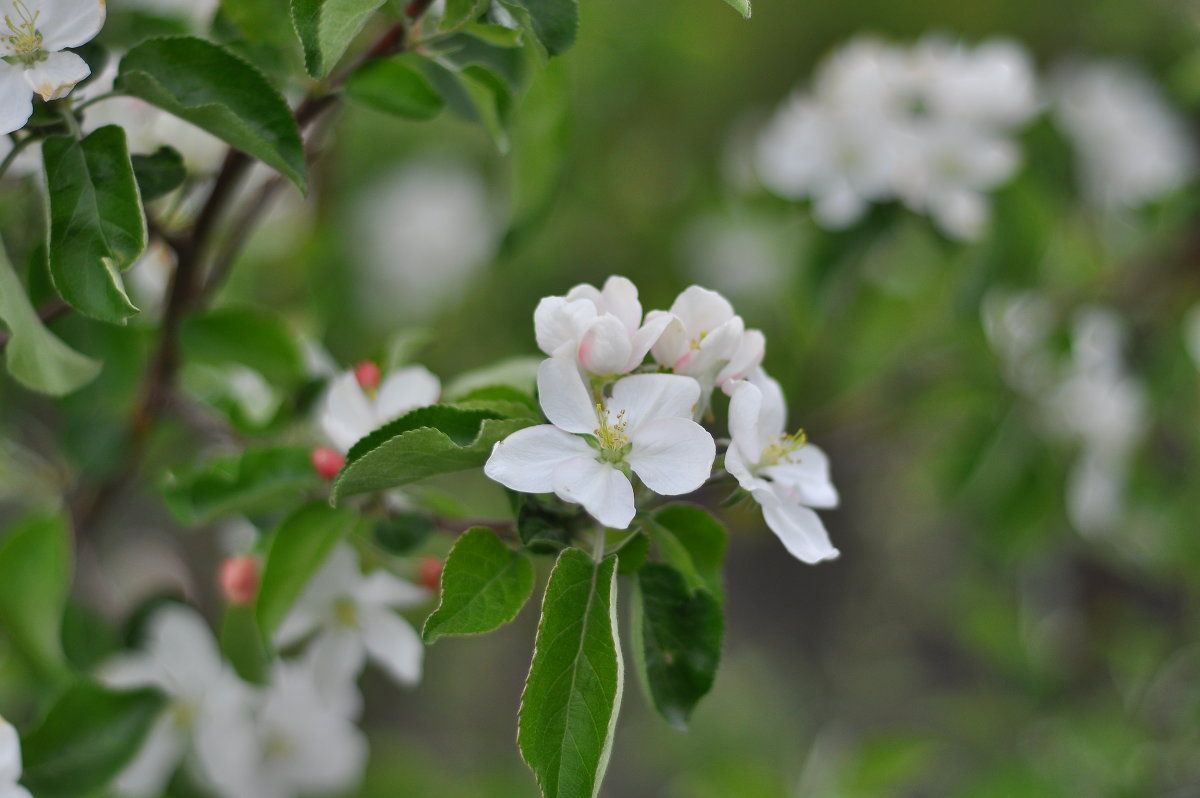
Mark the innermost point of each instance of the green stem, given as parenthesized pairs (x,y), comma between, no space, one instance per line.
(17,148)
(598,542)
(68,118)
(108,95)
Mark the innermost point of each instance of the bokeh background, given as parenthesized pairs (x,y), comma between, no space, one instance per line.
(971,640)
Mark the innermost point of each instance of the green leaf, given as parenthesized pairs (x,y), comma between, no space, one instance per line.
(741,6)
(89,735)
(326,28)
(97,227)
(246,483)
(547,525)
(295,551)
(460,12)
(484,585)
(35,357)
(423,443)
(693,541)
(554,22)
(634,550)
(396,86)
(217,91)
(404,533)
(159,174)
(492,100)
(244,645)
(573,693)
(677,635)
(252,337)
(35,576)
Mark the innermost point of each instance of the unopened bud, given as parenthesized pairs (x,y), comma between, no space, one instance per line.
(238,577)
(430,575)
(368,376)
(328,462)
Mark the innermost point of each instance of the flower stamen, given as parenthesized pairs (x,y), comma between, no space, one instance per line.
(611,434)
(23,36)
(782,449)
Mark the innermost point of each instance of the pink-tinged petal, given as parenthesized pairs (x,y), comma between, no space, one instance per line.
(672,455)
(701,310)
(745,425)
(799,528)
(147,775)
(673,343)
(621,299)
(603,491)
(16,101)
(69,23)
(746,358)
(605,347)
(404,390)
(54,77)
(393,644)
(346,414)
(564,397)
(806,478)
(646,337)
(559,322)
(383,589)
(645,397)
(528,460)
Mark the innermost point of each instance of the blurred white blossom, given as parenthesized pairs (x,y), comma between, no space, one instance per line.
(350,412)
(197,12)
(1131,146)
(10,762)
(745,257)
(1191,333)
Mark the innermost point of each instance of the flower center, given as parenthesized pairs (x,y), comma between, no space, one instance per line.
(694,345)
(782,448)
(345,613)
(23,36)
(183,714)
(611,435)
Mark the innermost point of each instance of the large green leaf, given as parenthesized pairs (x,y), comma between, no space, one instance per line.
(326,28)
(426,442)
(573,693)
(247,482)
(554,22)
(295,551)
(97,227)
(676,640)
(216,90)
(89,735)
(34,356)
(396,86)
(484,585)
(692,541)
(35,574)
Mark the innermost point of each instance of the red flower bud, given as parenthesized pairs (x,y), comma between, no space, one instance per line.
(368,376)
(238,577)
(431,573)
(328,462)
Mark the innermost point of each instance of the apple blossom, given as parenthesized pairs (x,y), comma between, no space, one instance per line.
(706,340)
(784,473)
(348,413)
(10,762)
(587,452)
(327,462)
(601,328)
(34,38)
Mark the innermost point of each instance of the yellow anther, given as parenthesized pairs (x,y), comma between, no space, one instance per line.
(23,35)
(611,433)
(782,448)
(346,613)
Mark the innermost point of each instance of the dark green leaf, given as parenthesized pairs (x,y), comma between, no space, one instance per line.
(693,542)
(492,100)
(573,693)
(87,738)
(395,86)
(547,525)
(554,22)
(97,227)
(34,356)
(295,551)
(250,336)
(87,638)
(426,442)
(216,90)
(676,641)
(159,174)
(35,576)
(404,533)
(484,586)
(243,644)
(326,28)
(248,482)
(460,12)
(633,551)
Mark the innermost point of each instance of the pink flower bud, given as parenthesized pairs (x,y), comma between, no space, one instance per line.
(327,462)
(368,376)
(430,575)
(238,577)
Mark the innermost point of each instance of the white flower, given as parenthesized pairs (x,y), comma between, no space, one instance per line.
(1191,333)
(991,86)
(785,474)
(10,762)
(705,339)
(592,444)
(292,743)
(1131,146)
(354,617)
(602,329)
(34,37)
(349,414)
(205,697)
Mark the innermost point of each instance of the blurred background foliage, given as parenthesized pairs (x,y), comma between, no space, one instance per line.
(970,641)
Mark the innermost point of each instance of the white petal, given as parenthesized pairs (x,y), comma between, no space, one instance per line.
(130,670)
(559,322)
(16,101)
(701,310)
(621,299)
(564,397)
(606,346)
(745,426)
(14,791)
(737,466)
(646,337)
(335,659)
(346,413)
(672,455)
(10,753)
(527,460)
(404,390)
(806,478)
(773,413)
(603,491)
(645,397)
(54,77)
(147,775)
(746,358)
(393,644)
(716,350)
(383,589)
(798,527)
(336,578)
(69,23)
(182,648)
(673,342)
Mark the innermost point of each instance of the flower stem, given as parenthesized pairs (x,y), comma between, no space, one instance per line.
(17,147)
(598,545)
